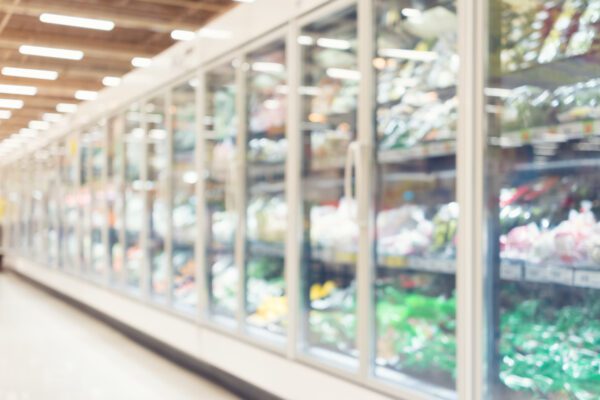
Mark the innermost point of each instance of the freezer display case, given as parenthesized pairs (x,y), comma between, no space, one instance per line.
(220,181)
(97,201)
(543,199)
(114,198)
(157,189)
(53,206)
(416,213)
(69,184)
(329,89)
(134,197)
(83,201)
(266,208)
(37,211)
(185,176)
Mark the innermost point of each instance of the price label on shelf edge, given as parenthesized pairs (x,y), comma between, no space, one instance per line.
(536,273)
(560,275)
(590,279)
(511,270)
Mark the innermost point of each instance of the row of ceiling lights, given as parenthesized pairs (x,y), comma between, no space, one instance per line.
(6,105)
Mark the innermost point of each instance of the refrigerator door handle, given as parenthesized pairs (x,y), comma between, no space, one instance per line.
(352,161)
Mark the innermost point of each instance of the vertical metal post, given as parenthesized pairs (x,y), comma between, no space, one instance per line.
(240,190)
(364,174)
(201,223)
(292,190)
(121,153)
(469,163)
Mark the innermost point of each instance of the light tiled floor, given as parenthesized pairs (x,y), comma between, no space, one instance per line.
(50,350)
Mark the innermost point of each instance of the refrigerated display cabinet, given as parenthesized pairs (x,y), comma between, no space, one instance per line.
(266,207)
(134,139)
(158,170)
(221,164)
(543,103)
(329,89)
(401,193)
(184,290)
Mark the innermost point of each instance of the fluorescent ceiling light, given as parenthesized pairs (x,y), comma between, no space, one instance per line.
(497,92)
(340,73)
(111,81)
(194,82)
(309,90)
(268,67)
(411,12)
(214,33)
(337,44)
(78,22)
(51,117)
(305,40)
(5,114)
(51,52)
(403,54)
(66,108)
(30,73)
(39,125)
(179,34)
(11,103)
(18,89)
(141,62)
(86,95)
(245,1)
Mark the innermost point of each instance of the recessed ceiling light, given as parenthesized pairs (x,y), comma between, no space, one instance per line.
(18,89)
(11,103)
(38,125)
(5,114)
(214,33)
(30,73)
(141,62)
(111,81)
(179,34)
(341,73)
(86,95)
(268,67)
(52,117)
(337,44)
(78,22)
(66,107)
(51,52)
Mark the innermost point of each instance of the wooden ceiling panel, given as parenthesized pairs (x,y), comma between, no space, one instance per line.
(142,29)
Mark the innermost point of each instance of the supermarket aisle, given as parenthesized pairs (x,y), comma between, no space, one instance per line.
(49,350)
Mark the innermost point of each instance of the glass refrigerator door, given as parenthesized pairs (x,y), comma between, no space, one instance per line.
(158,164)
(97,202)
(114,194)
(54,201)
(70,208)
(416,67)
(266,209)
(329,92)
(185,176)
(134,197)
(220,128)
(543,199)
(83,197)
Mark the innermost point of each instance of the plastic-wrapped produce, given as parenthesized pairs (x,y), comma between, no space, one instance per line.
(586,36)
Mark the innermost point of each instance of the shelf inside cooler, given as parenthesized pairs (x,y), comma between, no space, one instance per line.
(550,75)
(423,150)
(259,248)
(522,271)
(552,133)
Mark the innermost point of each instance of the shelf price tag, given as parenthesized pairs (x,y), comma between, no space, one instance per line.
(511,270)
(588,128)
(560,275)
(536,273)
(590,279)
